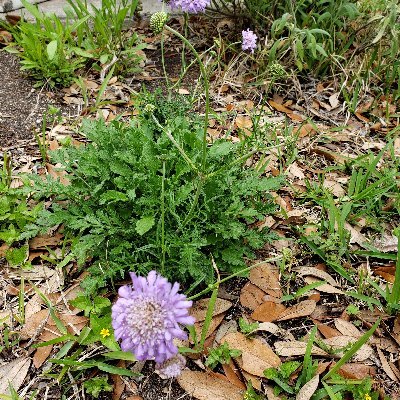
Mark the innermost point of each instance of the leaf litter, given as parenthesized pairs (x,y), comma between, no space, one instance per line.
(282,333)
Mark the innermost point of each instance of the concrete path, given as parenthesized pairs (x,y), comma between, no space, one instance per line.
(15,7)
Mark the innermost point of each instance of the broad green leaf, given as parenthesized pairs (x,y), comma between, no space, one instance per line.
(112,196)
(52,49)
(144,225)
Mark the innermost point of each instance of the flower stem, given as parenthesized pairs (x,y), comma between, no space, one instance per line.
(206,90)
(163,64)
(163,219)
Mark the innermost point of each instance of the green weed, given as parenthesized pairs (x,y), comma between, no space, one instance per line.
(15,215)
(221,355)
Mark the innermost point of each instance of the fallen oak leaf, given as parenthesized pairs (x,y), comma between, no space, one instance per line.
(386,367)
(13,374)
(199,309)
(302,309)
(356,371)
(323,287)
(296,348)
(306,392)
(204,386)
(266,277)
(251,296)
(256,355)
(347,328)
(268,311)
(341,342)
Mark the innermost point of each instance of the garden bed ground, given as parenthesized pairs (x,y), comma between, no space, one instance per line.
(323,136)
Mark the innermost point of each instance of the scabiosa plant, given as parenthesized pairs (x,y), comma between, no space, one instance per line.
(147,315)
(249,40)
(171,368)
(189,6)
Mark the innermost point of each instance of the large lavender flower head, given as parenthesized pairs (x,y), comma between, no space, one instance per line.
(147,315)
(190,6)
(249,40)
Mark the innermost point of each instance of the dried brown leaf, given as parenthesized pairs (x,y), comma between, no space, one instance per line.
(306,271)
(324,287)
(41,242)
(302,309)
(266,277)
(233,377)
(326,330)
(386,367)
(355,235)
(199,309)
(13,374)
(256,355)
(295,171)
(215,322)
(335,187)
(204,386)
(346,328)
(224,329)
(308,389)
(268,311)
(270,393)
(296,348)
(251,296)
(340,342)
(41,355)
(356,371)
(33,324)
(275,330)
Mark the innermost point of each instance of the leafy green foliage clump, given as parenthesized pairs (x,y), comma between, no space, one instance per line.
(15,215)
(52,50)
(129,204)
(97,385)
(221,354)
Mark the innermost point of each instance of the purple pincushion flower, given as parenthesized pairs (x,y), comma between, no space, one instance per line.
(190,6)
(147,315)
(249,40)
(171,368)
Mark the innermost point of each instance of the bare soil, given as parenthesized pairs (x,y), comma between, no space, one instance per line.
(21,105)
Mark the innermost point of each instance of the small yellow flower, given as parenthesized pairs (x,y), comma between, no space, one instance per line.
(106,332)
(367,397)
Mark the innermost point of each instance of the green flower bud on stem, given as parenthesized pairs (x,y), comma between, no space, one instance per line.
(157,21)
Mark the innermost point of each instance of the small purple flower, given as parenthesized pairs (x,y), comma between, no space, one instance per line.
(147,315)
(171,368)
(249,40)
(190,6)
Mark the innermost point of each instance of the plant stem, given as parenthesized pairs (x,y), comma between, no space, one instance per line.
(206,90)
(176,144)
(163,65)
(395,295)
(240,160)
(163,219)
(195,201)
(185,31)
